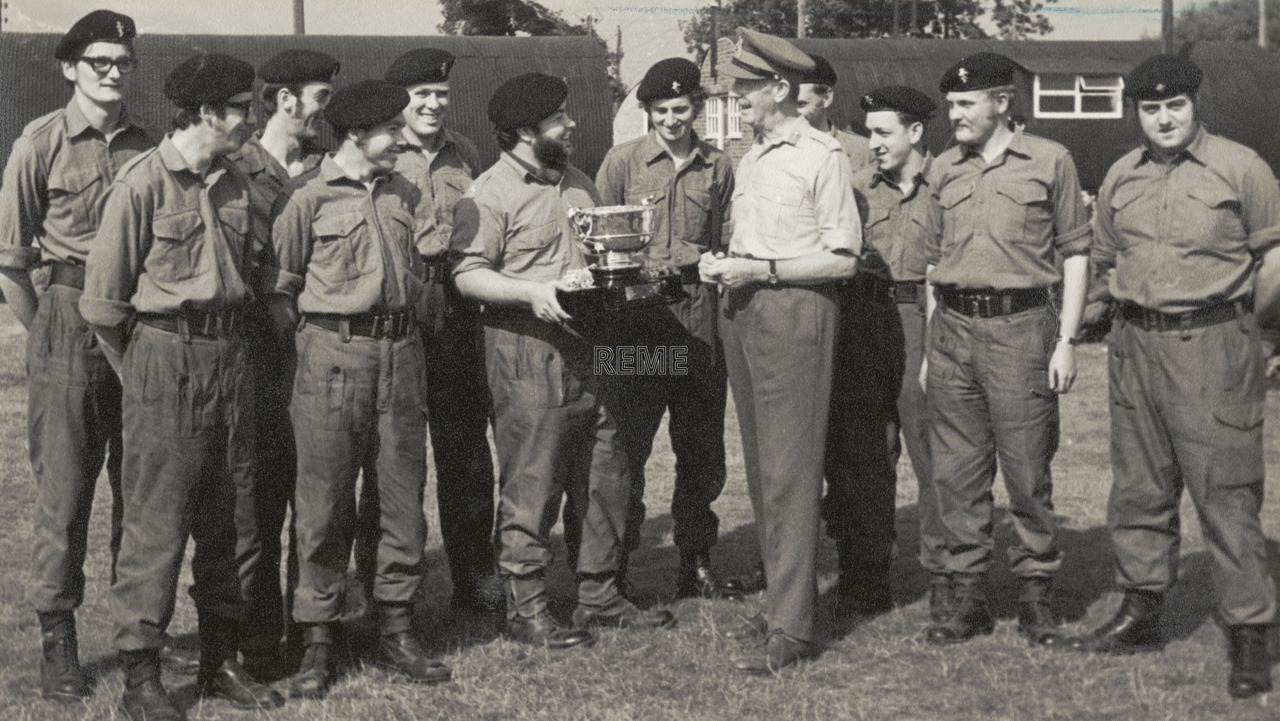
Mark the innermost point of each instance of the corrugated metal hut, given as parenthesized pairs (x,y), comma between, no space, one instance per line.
(1070,92)
(31,83)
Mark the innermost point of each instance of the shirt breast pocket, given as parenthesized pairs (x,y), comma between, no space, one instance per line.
(1130,218)
(782,212)
(532,242)
(177,246)
(695,216)
(1211,216)
(73,196)
(1023,213)
(955,207)
(333,256)
(235,229)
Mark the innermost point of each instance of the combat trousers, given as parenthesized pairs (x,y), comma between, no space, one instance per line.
(73,427)
(188,416)
(275,468)
(556,435)
(779,348)
(989,392)
(358,407)
(913,413)
(1186,411)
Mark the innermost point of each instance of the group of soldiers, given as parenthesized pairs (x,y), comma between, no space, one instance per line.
(242,326)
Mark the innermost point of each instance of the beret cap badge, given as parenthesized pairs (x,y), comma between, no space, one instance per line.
(964,75)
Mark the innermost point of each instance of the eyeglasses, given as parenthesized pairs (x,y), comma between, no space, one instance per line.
(102,65)
(244,107)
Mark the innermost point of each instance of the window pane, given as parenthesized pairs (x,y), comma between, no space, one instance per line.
(1057,104)
(1057,82)
(1099,103)
(1100,82)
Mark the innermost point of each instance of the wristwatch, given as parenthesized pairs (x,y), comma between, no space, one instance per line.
(772,278)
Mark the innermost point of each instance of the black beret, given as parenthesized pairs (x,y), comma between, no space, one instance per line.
(208,80)
(365,104)
(526,100)
(669,78)
(822,73)
(1163,77)
(899,98)
(299,66)
(425,65)
(758,56)
(978,72)
(97,26)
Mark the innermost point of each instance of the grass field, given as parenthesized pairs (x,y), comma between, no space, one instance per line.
(879,670)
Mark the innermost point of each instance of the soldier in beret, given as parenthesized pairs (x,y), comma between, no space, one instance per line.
(166,284)
(999,352)
(296,88)
(796,236)
(442,163)
(1189,233)
(691,184)
(554,428)
(346,266)
(817,93)
(58,171)
(881,342)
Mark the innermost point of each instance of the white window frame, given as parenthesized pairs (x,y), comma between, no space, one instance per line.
(714,115)
(1082,90)
(733,118)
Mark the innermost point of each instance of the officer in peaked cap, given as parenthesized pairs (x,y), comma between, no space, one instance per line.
(296,87)
(691,184)
(172,271)
(796,235)
(73,396)
(1190,297)
(817,93)
(999,353)
(442,163)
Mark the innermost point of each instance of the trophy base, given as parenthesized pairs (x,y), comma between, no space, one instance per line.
(619,292)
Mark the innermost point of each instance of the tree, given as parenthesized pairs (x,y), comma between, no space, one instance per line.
(523,17)
(870,19)
(1227,20)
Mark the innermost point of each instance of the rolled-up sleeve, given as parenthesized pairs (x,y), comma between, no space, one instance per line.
(22,207)
(1073,233)
(116,259)
(1261,200)
(839,225)
(291,247)
(478,234)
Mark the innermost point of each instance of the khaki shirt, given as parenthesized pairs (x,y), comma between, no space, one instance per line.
(856,147)
(344,248)
(517,223)
(170,240)
(1186,234)
(56,177)
(442,179)
(896,226)
(268,178)
(1005,225)
(692,202)
(794,197)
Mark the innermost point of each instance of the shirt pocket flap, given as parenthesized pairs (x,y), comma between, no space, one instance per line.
(534,238)
(73,182)
(877,215)
(178,226)
(1214,196)
(643,197)
(1024,193)
(1241,416)
(1124,197)
(236,219)
(337,225)
(953,195)
(782,194)
(698,197)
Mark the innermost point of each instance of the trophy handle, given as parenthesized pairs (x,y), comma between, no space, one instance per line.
(581,220)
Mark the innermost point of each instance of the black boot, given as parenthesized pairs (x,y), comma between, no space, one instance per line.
(401,652)
(1134,629)
(863,589)
(144,697)
(221,676)
(971,616)
(529,622)
(314,674)
(942,601)
(696,579)
(1036,621)
(61,678)
(1250,660)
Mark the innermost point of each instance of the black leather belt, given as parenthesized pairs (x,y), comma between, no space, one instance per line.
(68,274)
(393,326)
(871,288)
(205,324)
(436,268)
(992,303)
(906,291)
(1150,320)
(689,274)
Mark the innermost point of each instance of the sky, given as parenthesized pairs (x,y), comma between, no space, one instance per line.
(650,28)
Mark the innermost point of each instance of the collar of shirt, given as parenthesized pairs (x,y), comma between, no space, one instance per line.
(654,149)
(530,173)
(1195,151)
(788,131)
(920,180)
(332,173)
(175,163)
(441,140)
(1017,145)
(77,123)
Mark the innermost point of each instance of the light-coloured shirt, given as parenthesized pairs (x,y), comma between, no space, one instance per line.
(1185,234)
(896,225)
(856,147)
(54,183)
(343,247)
(794,196)
(692,202)
(170,239)
(1005,224)
(517,223)
(442,179)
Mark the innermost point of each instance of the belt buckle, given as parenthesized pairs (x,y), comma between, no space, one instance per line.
(983,306)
